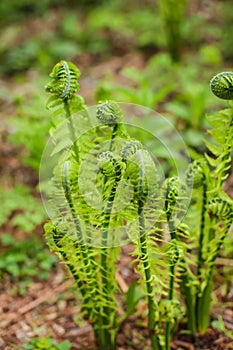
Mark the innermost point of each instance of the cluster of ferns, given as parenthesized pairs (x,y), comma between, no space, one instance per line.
(105,191)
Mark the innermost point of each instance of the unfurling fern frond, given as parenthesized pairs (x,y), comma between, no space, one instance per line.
(196,173)
(222,85)
(63,87)
(130,149)
(140,172)
(64,82)
(109,165)
(109,112)
(221,208)
(174,189)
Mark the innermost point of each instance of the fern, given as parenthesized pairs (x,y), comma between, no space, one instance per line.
(105,190)
(212,205)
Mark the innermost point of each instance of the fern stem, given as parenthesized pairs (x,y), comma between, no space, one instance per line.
(147,271)
(172,231)
(67,191)
(205,300)
(140,190)
(106,273)
(202,230)
(189,296)
(173,235)
(71,128)
(114,133)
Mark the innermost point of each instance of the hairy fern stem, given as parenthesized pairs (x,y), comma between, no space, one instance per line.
(105,252)
(201,246)
(71,129)
(170,202)
(148,281)
(141,194)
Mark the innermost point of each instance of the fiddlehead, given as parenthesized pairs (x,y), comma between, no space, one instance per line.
(173,190)
(222,85)
(109,112)
(64,83)
(196,174)
(221,208)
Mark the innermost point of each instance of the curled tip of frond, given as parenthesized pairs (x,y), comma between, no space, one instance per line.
(109,165)
(130,149)
(173,187)
(106,163)
(64,82)
(221,208)
(222,85)
(195,174)
(109,112)
(174,252)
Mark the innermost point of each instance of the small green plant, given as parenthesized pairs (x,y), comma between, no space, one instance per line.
(105,189)
(46,344)
(25,259)
(24,209)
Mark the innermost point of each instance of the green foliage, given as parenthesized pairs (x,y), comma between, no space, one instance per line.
(23,259)
(132,298)
(31,53)
(84,229)
(145,90)
(226,20)
(220,326)
(26,210)
(46,344)
(77,227)
(187,99)
(214,207)
(29,128)
(173,14)
(15,10)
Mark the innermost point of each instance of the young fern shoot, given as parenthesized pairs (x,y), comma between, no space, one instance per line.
(213,205)
(104,183)
(74,231)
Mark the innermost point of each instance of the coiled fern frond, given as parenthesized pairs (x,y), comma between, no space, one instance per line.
(64,82)
(64,87)
(196,173)
(222,85)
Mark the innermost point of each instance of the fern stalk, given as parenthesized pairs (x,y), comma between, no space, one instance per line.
(200,254)
(172,191)
(141,194)
(223,211)
(71,129)
(148,279)
(106,273)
